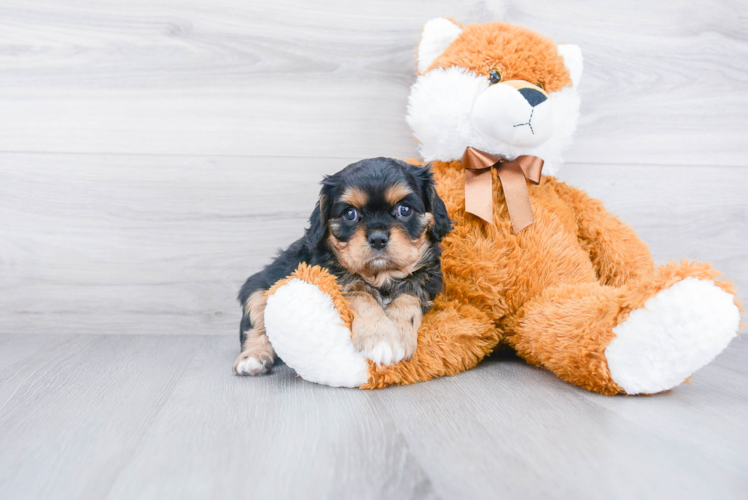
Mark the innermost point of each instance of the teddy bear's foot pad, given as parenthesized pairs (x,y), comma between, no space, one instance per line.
(307,332)
(678,331)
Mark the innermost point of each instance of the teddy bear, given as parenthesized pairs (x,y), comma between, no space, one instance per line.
(531,263)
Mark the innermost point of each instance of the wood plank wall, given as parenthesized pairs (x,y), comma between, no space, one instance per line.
(155,153)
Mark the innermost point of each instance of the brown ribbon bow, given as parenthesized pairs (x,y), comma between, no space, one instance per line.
(479,191)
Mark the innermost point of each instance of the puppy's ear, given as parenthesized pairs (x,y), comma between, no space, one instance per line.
(432,201)
(315,234)
(317,226)
(442,222)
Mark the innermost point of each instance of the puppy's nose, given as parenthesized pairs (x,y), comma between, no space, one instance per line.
(532,96)
(378,239)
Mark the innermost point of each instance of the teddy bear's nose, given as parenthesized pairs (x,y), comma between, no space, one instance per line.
(532,96)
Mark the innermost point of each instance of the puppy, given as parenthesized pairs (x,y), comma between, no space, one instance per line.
(376,227)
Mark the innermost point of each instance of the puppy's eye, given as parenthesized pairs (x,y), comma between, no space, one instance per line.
(494,76)
(351,214)
(403,211)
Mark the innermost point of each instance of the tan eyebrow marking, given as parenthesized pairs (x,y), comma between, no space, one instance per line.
(354,196)
(395,193)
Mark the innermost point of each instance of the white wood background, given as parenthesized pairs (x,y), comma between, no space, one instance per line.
(154,153)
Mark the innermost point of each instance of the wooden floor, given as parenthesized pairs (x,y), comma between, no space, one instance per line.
(139,416)
(155,153)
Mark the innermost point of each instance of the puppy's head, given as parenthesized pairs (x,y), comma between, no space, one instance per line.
(381,218)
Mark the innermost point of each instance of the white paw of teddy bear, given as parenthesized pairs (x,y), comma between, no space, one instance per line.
(678,331)
(308,334)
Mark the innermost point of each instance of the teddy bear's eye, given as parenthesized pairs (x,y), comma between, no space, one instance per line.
(494,76)
(540,84)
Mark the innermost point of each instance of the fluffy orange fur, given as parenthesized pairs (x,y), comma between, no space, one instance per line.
(542,65)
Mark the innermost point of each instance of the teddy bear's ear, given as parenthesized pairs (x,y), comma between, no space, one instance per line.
(437,35)
(572,55)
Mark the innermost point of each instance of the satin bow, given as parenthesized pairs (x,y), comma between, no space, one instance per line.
(479,190)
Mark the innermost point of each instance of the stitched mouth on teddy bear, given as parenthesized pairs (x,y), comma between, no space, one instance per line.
(529,122)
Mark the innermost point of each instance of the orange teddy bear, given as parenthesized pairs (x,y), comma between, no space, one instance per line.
(532,262)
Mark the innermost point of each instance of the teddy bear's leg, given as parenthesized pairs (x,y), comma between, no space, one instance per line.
(308,322)
(453,337)
(641,338)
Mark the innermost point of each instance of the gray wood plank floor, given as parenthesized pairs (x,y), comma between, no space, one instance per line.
(137,416)
(155,153)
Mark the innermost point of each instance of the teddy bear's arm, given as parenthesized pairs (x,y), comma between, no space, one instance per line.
(308,321)
(453,337)
(617,253)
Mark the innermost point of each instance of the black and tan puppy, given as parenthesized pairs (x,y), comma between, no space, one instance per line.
(377,228)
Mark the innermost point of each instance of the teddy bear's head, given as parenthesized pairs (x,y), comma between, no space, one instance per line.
(496,87)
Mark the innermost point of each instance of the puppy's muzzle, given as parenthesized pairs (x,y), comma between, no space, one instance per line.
(378,240)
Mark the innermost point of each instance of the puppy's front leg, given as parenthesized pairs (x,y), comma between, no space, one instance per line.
(372,332)
(406,314)
(257,355)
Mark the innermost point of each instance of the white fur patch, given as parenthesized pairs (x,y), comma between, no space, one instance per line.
(678,331)
(440,113)
(438,34)
(250,366)
(306,331)
(382,353)
(573,61)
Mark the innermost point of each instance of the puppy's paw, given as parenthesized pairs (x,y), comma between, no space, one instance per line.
(406,314)
(378,341)
(409,341)
(252,363)
(384,352)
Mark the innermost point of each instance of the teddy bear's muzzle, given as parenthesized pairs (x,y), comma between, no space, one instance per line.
(516,113)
